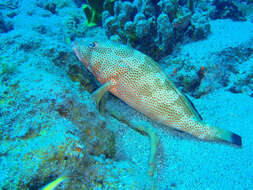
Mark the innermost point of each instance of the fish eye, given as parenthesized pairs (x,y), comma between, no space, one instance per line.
(92,44)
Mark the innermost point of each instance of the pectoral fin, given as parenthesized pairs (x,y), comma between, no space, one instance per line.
(99,93)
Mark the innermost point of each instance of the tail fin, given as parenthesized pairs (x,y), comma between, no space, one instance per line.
(228,137)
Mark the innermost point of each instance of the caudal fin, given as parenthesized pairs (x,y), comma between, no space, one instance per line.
(229,137)
(236,139)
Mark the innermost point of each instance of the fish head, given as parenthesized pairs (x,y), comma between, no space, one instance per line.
(106,60)
(93,53)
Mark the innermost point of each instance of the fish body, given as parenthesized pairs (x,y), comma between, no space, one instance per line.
(138,80)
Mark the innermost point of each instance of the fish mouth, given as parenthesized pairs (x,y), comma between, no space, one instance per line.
(76,49)
(79,53)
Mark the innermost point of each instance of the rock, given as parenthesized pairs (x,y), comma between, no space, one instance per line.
(225,56)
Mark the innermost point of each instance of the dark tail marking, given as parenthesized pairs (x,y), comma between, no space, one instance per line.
(236,139)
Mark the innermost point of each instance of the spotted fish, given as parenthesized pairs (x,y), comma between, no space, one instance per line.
(138,80)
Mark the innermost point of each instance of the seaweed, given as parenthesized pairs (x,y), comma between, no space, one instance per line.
(93,11)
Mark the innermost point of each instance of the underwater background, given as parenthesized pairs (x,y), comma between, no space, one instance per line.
(50,127)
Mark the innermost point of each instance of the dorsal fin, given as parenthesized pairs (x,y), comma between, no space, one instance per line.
(188,105)
(193,108)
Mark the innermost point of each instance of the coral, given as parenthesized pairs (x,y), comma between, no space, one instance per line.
(53,5)
(74,25)
(182,20)
(165,32)
(9,4)
(227,9)
(5,24)
(242,80)
(169,7)
(155,27)
(201,26)
(6,66)
(246,8)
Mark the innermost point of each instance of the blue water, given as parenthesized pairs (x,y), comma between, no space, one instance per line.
(50,126)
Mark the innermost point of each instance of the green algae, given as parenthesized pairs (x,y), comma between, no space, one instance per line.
(93,10)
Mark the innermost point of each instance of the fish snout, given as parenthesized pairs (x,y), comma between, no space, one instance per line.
(76,49)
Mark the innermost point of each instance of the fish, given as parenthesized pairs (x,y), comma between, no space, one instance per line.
(52,185)
(138,80)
